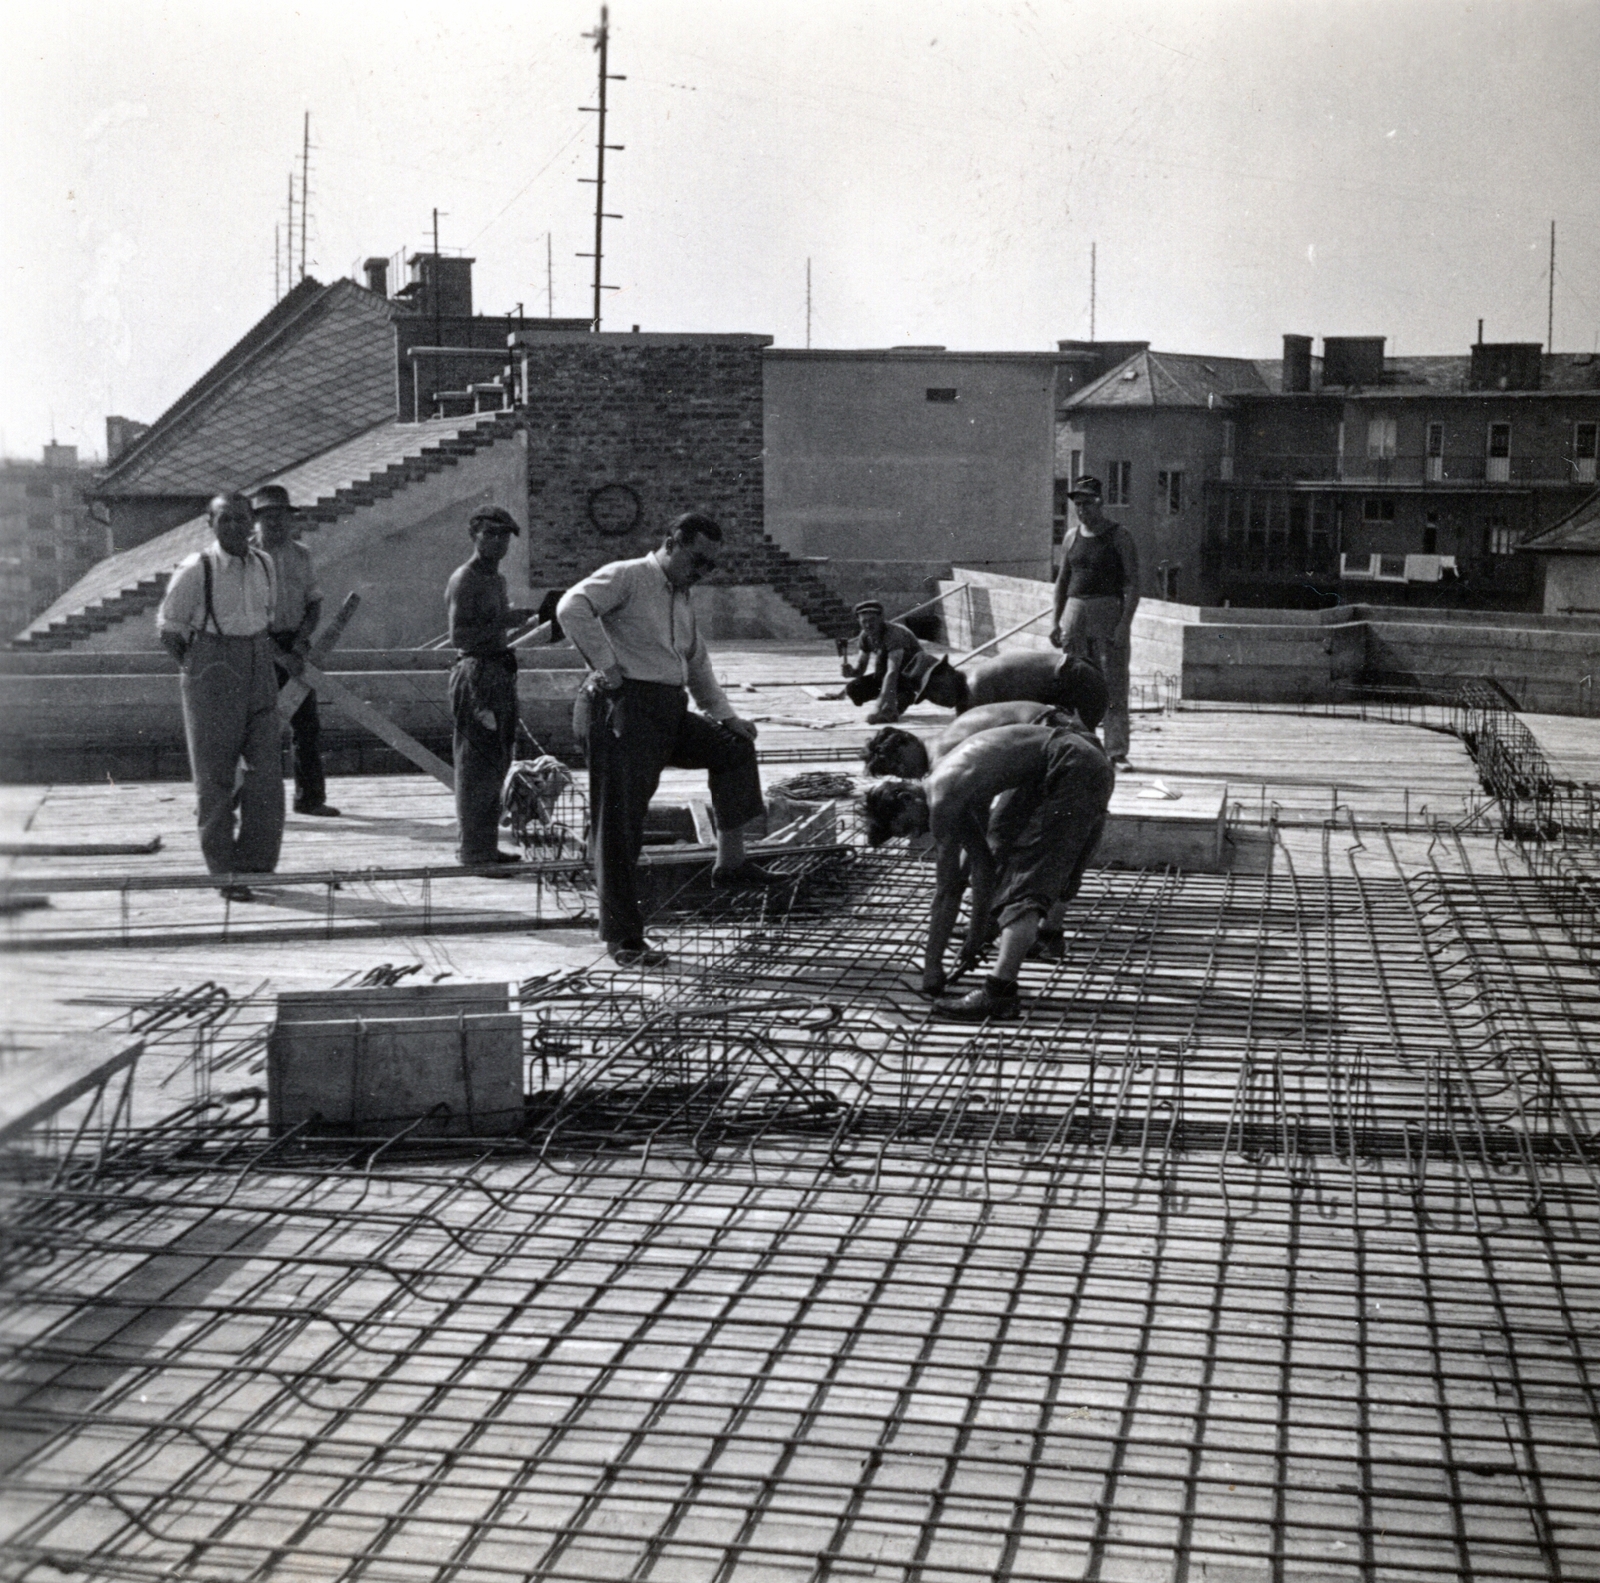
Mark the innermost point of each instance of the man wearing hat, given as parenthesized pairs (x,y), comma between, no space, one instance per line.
(483,685)
(296,610)
(1097,592)
(213,622)
(902,673)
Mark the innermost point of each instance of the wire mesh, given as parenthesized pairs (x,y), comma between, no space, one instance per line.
(1260,1247)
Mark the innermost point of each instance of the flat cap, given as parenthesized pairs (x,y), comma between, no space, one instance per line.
(494,517)
(1089,486)
(868,604)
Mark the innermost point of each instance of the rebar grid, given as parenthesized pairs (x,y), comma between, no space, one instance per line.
(1260,1247)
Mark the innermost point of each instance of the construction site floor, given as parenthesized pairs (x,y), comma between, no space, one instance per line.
(1260,1246)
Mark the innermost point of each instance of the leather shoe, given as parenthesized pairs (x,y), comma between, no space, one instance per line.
(748,876)
(489,860)
(321,811)
(236,893)
(997,999)
(636,953)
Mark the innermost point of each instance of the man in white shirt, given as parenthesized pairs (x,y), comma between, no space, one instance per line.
(213,621)
(633,623)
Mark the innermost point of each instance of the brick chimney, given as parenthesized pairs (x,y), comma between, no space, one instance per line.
(377,275)
(120,434)
(440,287)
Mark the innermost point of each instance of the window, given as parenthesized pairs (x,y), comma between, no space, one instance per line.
(1585,441)
(1435,452)
(1169,583)
(936,393)
(1230,436)
(1497,466)
(1119,483)
(1075,466)
(1380,439)
(1375,509)
(1060,510)
(1169,493)
(44,552)
(1430,534)
(1502,536)
(39,489)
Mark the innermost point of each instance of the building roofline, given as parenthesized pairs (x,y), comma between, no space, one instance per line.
(883,354)
(527,339)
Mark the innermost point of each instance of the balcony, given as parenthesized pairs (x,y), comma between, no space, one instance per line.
(1414,470)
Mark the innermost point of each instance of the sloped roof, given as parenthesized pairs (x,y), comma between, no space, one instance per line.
(1171,379)
(1561,373)
(379,461)
(1577,533)
(315,370)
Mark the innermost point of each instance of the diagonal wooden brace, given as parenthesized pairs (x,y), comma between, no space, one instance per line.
(380,725)
(292,694)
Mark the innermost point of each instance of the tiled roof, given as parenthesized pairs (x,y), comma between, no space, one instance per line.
(317,369)
(1562,372)
(1171,379)
(1577,533)
(379,462)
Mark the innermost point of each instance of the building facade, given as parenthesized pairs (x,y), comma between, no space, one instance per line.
(48,539)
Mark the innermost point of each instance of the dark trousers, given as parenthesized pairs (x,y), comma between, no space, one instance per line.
(310,786)
(634,734)
(229,689)
(483,707)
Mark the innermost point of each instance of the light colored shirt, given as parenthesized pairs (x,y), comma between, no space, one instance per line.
(629,615)
(296,585)
(242,592)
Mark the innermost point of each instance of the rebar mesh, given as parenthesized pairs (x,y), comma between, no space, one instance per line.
(1261,1247)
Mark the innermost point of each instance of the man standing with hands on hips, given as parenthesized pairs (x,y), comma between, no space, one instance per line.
(633,623)
(296,610)
(213,622)
(1097,592)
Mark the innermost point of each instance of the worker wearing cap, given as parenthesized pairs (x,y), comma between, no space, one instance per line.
(1097,592)
(213,621)
(296,610)
(902,672)
(634,624)
(483,685)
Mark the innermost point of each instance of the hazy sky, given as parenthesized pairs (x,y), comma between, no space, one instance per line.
(1245,168)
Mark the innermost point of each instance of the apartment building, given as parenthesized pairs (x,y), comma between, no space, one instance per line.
(48,539)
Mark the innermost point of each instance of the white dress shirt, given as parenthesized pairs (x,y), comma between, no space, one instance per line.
(243,588)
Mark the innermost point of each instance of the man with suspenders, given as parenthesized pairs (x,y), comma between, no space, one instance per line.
(1097,593)
(213,621)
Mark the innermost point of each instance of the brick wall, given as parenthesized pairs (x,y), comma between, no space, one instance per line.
(678,422)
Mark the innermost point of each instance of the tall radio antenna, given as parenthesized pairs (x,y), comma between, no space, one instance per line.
(602,39)
(1091,290)
(305,189)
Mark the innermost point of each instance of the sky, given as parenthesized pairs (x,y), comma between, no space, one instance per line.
(1241,168)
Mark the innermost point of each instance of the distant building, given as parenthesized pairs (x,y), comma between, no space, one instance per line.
(1568,554)
(48,539)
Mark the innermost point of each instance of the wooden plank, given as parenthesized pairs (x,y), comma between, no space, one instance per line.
(293,693)
(379,725)
(37,1088)
(79,848)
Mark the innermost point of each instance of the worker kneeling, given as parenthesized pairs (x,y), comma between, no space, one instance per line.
(1020,865)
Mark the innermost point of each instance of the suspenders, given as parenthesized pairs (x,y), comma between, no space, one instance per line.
(211,609)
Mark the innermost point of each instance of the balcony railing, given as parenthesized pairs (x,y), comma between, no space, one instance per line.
(1412,470)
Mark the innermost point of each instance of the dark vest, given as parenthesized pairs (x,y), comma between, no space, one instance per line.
(1095,567)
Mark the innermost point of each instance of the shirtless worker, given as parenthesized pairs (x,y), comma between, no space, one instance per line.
(902,672)
(896,751)
(1042,842)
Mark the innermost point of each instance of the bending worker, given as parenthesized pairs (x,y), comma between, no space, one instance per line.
(483,685)
(1061,783)
(213,622)
(634,625)
(1097,592)
(902,672)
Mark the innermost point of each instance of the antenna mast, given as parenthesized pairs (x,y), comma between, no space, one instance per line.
(549,277)
(305,189)
(1091,290)
(602,40)
(1550,320)
(288,274)
(808,304)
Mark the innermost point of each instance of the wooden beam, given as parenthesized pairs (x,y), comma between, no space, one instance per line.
(380,725)
(293,692)
(44,1082)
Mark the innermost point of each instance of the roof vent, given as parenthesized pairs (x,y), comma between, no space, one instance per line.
(1352,359)
(1297,364)
(377,275)
(1506,365)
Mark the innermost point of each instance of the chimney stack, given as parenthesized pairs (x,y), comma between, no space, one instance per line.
(377,275)
(1296,364)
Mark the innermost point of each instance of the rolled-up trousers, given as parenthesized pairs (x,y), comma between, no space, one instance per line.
(1090,631)
(634,734)
(229,688)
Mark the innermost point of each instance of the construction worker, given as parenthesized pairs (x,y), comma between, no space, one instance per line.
(896,751)
(483,685)
(902,672)
(213,621)
(1021,865)
(1097,593)
(296,610)
(634,624)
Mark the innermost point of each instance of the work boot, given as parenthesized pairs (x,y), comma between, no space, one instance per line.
(637,953)
(748,876)
(236,893)
(997,999)
(321,811)
(1049,946)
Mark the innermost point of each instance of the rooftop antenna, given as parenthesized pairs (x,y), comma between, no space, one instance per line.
(305,189)
(808,304)
(549,277)
(277,263)
(1091,292)
(602,39)
(438,333)
(1550,314)
(288,274)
